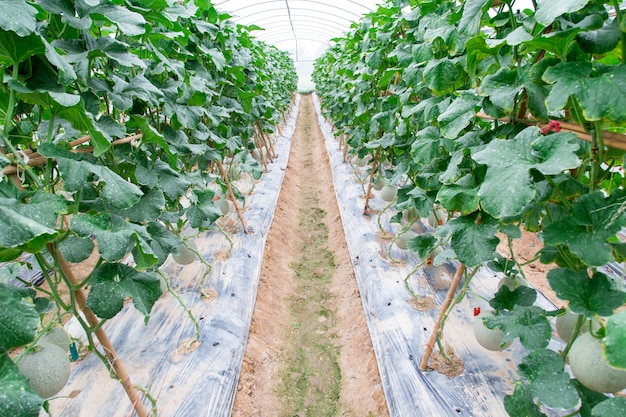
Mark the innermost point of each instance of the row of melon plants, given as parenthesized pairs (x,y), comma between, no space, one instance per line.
(122,125)
(498,120)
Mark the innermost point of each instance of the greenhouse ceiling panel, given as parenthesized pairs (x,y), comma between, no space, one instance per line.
(302,27)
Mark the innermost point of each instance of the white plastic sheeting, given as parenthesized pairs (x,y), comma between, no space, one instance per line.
(400,332)
(202,383)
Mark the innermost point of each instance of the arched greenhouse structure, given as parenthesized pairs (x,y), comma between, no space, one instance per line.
(313,208)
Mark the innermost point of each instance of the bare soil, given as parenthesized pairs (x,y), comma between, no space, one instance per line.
(309,352)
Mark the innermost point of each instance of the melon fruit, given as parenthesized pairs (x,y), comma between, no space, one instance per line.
(591,369)
(388,193)
(57,336)
(185,254)
(47,369)
(224,205)
(402,239)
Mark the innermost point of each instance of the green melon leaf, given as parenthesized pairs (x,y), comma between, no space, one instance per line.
(441,75)
(521,403)
(76,249)
(615,340)
(549,10)
(588,296)
(129,22)
(19,17)
(456,198)
(17,230)
(600,90)
(549,383)
(15,49)
(613,407)
(529,323)
(458,115)
(503,87)
(17,397)
(586,231)
(116,191)
(473,243)
(473,11)
(18,317)
(508,185)
(111,284)
(505,299)
(422,244)
(115,239)
(602,40)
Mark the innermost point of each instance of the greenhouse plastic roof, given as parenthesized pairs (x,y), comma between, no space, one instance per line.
(302,27)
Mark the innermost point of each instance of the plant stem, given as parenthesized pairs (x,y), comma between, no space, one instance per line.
(618,14)
(168,285)
(369,185)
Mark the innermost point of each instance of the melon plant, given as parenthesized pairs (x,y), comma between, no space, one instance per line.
(109,146)
(502,119)
(586,359)
(47,368)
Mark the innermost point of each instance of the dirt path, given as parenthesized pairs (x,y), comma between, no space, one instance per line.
(309,353)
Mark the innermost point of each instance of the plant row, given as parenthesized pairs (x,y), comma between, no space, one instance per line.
(460,109)
(122,124)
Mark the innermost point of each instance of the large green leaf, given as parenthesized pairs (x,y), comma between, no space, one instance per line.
(117,52)
(548,381)
(612,407)
(457,198)
(549,10)
(129,22)
(441,76)
(19,17)
(508,185)
(18,230)
(473,242)
(203,212)
(615,340)
(522,403)
(529,323)
(592,222)
(116,191)
(588,296)
(17,398)
(148,209)
(600,90)
(15,49)
(18,317)
(600,41)
(76,249)
(473,11)
(115,239)
(458,115)
(505,299)
(503,87)
(112,284)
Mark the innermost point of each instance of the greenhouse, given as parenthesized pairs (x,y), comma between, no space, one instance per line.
(313,208)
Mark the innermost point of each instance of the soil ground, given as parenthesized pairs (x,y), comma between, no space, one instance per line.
(309,352)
